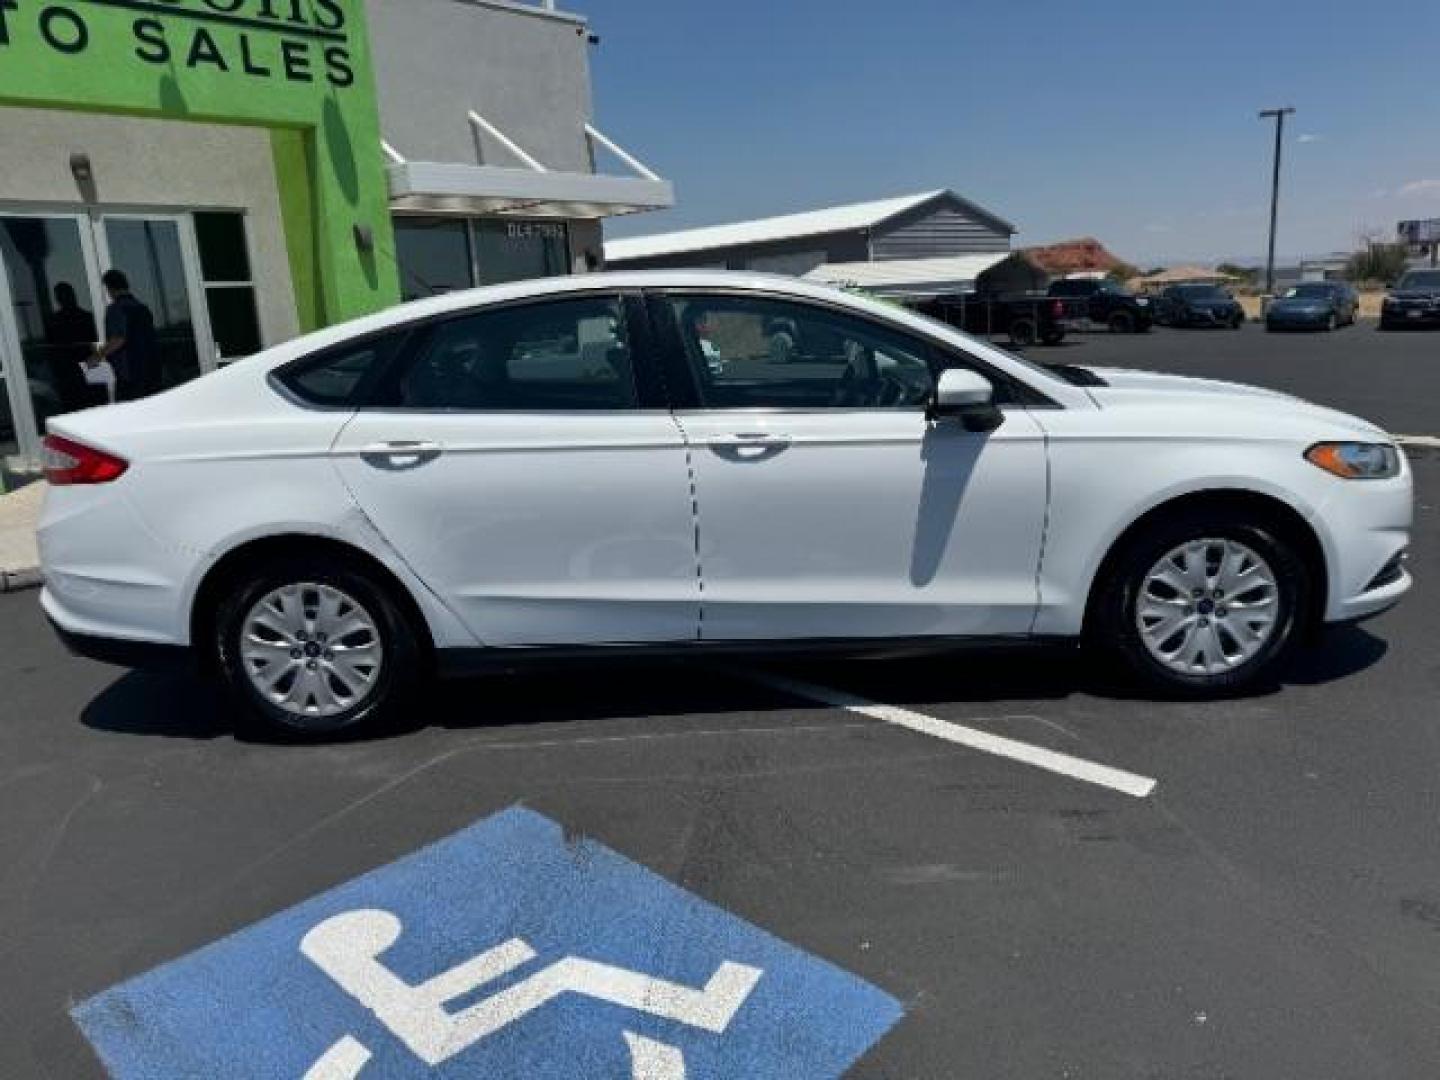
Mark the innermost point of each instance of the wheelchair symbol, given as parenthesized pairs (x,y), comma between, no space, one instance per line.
(348,949)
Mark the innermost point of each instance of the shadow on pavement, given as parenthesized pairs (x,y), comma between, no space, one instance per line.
(178,705)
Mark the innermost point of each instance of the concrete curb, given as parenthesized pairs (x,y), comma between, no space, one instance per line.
(17,580)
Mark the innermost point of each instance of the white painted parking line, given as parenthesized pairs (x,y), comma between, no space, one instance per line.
(1127,783)
(1428,442)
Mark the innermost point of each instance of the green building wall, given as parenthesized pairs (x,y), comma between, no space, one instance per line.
(300,68)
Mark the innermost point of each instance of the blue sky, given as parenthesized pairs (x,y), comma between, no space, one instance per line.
(1132,122)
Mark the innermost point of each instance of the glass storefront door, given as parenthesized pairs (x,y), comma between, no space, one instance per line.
(151,253)
(52,309)
(49,315)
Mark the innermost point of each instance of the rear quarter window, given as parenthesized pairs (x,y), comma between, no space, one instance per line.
(337,377)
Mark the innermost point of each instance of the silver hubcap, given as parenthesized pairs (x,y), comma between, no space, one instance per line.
(1207,607)
(311,650)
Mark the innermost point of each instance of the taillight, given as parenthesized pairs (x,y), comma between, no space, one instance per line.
(1058,309)
(69,462)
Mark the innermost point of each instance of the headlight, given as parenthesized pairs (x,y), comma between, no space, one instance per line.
(1356,461)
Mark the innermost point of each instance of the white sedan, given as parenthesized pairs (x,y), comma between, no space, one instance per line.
(614,463)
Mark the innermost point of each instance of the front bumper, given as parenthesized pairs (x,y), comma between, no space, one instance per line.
(1297,320)
(1366,527)
(1416,318)
(1209,317)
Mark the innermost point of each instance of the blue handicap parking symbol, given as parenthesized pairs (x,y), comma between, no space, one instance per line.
(506,950)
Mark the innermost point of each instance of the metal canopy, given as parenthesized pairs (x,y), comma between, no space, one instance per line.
(530,191)
(490,189)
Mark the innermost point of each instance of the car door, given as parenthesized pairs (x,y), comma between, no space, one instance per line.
(521,461)
(828,505)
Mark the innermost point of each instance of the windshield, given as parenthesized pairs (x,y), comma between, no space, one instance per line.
(1201,292)
(1310,292)
(1421,279)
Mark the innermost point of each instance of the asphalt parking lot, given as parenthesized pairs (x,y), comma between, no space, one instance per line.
(1243,889)
(1392,378)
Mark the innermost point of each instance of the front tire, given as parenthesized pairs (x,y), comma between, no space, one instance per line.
(1204,604)
(310,648)
(1121,323)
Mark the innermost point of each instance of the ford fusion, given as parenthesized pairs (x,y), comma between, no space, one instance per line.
(689,462)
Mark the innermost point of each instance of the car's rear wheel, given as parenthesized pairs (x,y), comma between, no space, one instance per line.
(310,648)
(1022,332)
(1203,604)
(1121,322)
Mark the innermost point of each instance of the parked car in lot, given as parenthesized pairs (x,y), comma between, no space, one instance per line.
(1199,305)
(1108,304)
(1413,302)
(1313,305)
(558,468)
(1024,318)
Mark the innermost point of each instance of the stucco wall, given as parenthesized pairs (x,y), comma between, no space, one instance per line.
(165,164)
(525,70)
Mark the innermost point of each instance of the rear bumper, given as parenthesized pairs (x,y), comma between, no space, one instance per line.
(119,652)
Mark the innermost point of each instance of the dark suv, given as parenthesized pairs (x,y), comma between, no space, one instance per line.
(1414,301)
(1108,303)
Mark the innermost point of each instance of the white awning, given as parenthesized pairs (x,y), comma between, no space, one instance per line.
(437,187)
(532,191)
(910,277)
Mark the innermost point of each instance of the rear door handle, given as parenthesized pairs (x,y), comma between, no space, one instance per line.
(401,453)
(402,446)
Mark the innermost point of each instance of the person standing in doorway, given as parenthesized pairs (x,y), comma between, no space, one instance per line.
(130,343)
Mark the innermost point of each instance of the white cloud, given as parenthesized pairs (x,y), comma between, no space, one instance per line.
(1380,193)
(1420,187)
(1310,137)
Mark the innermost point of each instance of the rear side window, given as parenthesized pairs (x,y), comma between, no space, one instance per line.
(336,377)
(561,355)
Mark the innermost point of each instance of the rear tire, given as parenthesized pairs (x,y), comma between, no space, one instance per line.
(308,648)
(1121,323)
(1022,333)
(1219,645)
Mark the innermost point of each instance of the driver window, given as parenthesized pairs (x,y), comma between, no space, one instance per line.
(752,353)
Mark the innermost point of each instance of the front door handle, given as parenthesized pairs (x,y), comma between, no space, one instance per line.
(752,438)
(749,446)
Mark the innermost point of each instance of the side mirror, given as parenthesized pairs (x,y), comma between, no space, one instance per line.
(967,396)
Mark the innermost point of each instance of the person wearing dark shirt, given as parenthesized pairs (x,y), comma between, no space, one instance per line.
(130,343)
(71,334)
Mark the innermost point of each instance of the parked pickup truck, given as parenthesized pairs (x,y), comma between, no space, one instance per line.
(1108,304)
(1023,317)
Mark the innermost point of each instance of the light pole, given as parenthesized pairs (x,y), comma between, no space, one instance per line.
(1279,117)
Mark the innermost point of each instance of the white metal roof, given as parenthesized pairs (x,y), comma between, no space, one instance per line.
(914,277)
(786,227)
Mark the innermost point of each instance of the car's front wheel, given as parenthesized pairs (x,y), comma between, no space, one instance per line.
(307,647)
(1203,604)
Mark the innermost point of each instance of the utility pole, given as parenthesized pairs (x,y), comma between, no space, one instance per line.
(1279,117)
